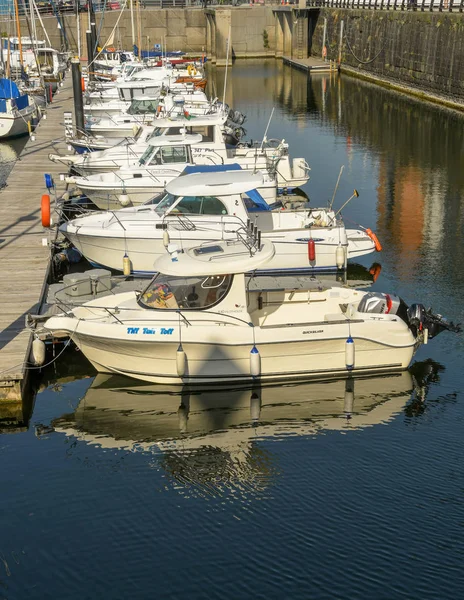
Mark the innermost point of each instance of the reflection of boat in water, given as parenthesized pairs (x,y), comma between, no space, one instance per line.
(211,440)
(198,432)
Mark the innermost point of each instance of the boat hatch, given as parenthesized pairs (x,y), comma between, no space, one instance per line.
(207,250)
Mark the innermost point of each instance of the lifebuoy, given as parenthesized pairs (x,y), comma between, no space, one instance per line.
(45,210)
(82,84)
(375,239)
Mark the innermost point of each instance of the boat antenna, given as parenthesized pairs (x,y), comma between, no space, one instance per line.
(227,67)
(266,130)
(355,194)
(336,188)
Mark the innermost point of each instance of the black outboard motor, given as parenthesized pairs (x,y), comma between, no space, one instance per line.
(419,318)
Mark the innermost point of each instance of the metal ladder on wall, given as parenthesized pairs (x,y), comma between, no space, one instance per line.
(301,52)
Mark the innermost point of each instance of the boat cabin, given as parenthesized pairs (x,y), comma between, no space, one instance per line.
(168,150)
(130,90)
(143,106)
(209,127)
(203,191)
(215,277)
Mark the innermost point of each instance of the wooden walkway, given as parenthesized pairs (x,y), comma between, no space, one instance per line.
(310,64)
(23,257)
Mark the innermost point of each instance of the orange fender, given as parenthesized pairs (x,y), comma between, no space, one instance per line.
(45,210)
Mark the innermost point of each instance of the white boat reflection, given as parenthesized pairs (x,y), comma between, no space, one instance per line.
(118,413)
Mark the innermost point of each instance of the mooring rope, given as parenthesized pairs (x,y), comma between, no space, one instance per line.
(363,62)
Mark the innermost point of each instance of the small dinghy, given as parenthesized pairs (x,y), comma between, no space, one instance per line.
(201,320)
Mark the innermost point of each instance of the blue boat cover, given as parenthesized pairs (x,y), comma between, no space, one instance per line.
(157,53)
(211,168)
(8,89)
(22,102)
(259,202)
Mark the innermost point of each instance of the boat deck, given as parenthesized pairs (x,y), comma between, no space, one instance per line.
(310,64)
(23,257)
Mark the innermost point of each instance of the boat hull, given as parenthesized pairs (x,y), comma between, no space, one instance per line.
(291,250)
(16,124)
(213,362)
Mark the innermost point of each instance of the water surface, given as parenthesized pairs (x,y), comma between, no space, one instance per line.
(116,489)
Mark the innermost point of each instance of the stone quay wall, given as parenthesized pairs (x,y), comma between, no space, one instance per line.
(422,50)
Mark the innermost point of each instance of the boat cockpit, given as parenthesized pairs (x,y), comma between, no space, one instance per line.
(196,293)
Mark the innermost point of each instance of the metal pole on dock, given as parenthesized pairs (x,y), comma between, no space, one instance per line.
(77,91)
(93,29)
(88,36)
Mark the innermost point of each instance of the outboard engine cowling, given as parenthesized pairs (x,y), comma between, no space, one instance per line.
(376,302)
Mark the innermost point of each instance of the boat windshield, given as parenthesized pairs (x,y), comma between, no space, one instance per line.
(155,133)
(191,205)
(147,155)
(142,107)
(195,293)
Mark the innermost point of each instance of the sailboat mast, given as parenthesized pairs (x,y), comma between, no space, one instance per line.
(139,30)
(18,29)
(132,21)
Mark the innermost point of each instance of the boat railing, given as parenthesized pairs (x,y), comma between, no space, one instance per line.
(186,320)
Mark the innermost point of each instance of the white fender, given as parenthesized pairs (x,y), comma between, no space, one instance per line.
(255,362)
(180,361)
(38,352)
(349,353)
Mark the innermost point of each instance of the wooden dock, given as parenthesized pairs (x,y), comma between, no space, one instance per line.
(24,258)
(311,64)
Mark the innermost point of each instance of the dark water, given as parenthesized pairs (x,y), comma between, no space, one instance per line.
(9,153)
(118,490)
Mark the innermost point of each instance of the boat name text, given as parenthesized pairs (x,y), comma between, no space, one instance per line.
(150,330)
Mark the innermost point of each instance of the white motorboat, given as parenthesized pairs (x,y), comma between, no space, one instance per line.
(202,321)
(212,204)
(190,96)
(269,156)
(16,110)
(127,151)
(143,133)
(162,162)
(145,112)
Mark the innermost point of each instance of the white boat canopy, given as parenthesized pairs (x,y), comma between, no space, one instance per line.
(218,258)
(221,183)
(176,139)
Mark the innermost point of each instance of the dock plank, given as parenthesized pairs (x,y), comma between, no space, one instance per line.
(310,64)
(23,257)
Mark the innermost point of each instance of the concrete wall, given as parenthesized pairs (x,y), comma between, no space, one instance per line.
(184,29)
(422,50)
(248,26)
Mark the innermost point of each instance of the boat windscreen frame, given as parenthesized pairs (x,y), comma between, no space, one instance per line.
(179,308)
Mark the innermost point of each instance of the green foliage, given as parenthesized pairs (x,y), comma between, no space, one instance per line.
(265,38)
